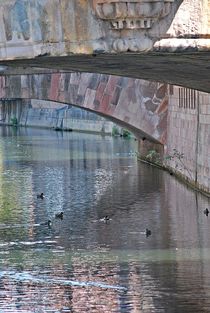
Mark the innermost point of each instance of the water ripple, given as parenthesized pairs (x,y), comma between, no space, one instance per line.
(28,278)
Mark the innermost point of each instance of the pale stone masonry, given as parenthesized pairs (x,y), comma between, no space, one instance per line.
(188,131)
(33,28)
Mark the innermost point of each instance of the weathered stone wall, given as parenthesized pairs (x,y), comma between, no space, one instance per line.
(32,28)
(191,19)
(190,28)
(188,131)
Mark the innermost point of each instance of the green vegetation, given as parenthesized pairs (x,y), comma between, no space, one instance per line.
(154,157)
(115,131)
(178,157)
(14,121)
(126,133)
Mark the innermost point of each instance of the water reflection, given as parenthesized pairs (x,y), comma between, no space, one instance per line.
(80,263)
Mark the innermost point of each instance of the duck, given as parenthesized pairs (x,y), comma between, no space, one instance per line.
(48,223)
(41,196)
(148,232)
(106,218)
(206,211)
(59,215)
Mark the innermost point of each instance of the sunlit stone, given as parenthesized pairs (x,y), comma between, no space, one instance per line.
(108,10)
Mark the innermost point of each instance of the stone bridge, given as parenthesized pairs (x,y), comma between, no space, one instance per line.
(165,119)
(137,105)
(160,40)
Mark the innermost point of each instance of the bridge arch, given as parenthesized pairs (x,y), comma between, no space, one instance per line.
(138,105)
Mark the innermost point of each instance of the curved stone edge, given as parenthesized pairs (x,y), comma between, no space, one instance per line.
(182,44)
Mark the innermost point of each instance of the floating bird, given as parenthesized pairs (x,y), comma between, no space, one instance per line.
(41,196)
(106,218)
(206,211)
(148,232)
(48,223)
(59,215)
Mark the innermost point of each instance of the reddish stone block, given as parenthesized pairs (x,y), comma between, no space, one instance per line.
(54,87)
(105,102)
(100,91)
(162,91)
(163,107)
(162,125)
(110,87)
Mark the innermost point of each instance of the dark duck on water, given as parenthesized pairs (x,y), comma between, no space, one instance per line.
(59,215)
(206,211)
(41,196)
(148,232)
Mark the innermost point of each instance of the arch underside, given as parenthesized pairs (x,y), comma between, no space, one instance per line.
(138,105)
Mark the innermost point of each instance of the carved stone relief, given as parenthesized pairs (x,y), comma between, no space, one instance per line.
(132,15)
(104,26)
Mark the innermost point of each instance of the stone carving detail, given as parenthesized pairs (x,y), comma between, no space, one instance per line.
(126,44)
(132,14)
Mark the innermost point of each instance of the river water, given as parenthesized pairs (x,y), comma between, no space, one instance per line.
(82,263)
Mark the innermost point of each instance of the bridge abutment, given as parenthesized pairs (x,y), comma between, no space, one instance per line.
(185,152)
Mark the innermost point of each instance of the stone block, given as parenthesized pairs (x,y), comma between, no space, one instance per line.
(105,103)
(72,93)
(204,119)
(89,98)
(116,95)
(111,85)
(94,81)
(100,91)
